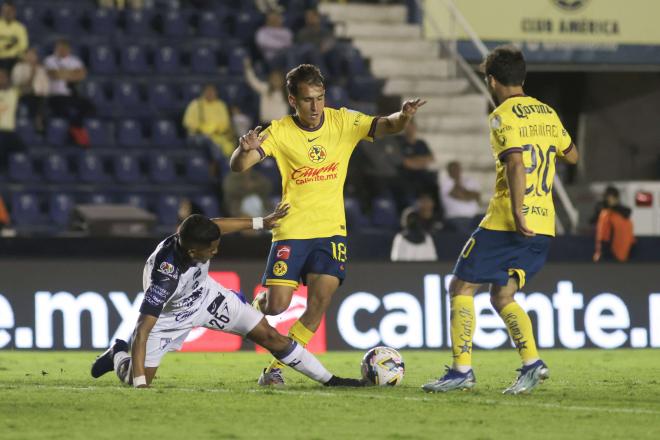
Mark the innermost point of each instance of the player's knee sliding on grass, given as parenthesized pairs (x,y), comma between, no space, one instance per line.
(512,241)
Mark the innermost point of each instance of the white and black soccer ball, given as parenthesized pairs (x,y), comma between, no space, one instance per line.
(383,366)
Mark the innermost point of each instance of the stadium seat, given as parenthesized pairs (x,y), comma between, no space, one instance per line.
(167,209)
(175,24)
(102,60)
(162,98)
(161,169)
(130,134)
(191,91)
(66,20)
(354,63)
(208,204)
(27,133)
(25,209)
(384,213)
(31,17)
(211,25)
(57,132)
(99,199)
(167,60)
(364,88)
(60,206)
(245,25)
(103,21)
(197,170)
(57,169)
(100,133)
(96,93)
(234,92)
(91,169)
(268,168)
(203,61)
(127,168)
(137,200)
(138,22)
(355,218)
(337,96)
(235,60)
(164,134)
(134,59)
(21,168)
(128,100)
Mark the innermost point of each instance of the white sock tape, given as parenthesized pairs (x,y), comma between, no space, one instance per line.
(140,380)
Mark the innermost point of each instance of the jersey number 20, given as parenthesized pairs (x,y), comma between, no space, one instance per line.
(540,165)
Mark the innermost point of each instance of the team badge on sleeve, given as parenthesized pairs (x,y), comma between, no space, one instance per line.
(167,269)
(280,268)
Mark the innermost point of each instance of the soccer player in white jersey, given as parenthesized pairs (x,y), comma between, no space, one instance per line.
(179,295)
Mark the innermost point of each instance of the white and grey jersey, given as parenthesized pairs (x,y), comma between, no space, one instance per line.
(173,283)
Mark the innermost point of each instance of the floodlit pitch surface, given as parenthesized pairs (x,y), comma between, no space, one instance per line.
(592,394)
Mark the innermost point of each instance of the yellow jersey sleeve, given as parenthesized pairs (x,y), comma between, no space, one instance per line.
(269,146)
(565,142)
(505,136)
(359,125)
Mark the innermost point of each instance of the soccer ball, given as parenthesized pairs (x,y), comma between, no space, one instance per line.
(383,366)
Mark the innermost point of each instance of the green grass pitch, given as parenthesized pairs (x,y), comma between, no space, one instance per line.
(592,394)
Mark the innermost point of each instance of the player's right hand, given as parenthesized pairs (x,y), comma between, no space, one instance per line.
(251,140)
(521,226)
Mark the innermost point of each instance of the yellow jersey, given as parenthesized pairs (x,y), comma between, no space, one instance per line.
(525,125)
(313,164)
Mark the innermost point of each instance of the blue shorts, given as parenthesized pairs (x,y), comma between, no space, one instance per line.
(290,261)
(495,256)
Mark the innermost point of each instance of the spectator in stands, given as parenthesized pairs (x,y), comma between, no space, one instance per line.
(429,218)
(413,243)
(32,81)
(266,6)
(273,102)
(121,4)
(9,140)
(246,194)
(614,229)
(13,37)
(208,124)
(187,208)
(273,37)
(314,33)
(5,220)
(460,199)
(417,162)
(66,71)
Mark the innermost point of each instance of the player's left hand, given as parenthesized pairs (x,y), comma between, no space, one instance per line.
(270,221)
(521,226)
(410,107)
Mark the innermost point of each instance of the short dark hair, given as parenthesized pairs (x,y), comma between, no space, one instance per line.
(611,191)
(506,64)
(304,73)
(197,231)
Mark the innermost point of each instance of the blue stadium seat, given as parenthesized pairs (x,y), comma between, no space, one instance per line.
(167,209)
(102,60)
(355,218)
(99,199)
(384,213)
(364,88)
(203,61)
(211,25)
(137,22)
(197,170)
(164,134)
(31,17)
(268,167)
(208,204)
(66,20)
(246,23)
(235,59)
(175,24)
(162,98)
(355,64)
(161,169)
(57,132)
(27,133)
(57,169)
(167,60)
(91,169)
(130,134)
(337,96)
(21,168)
(60,206)
(137,200)
(134,59)
(191,91)
(26,209)
(127,169)
(100,133)
(128,99)
(96,93)
(103,21)
(234,92)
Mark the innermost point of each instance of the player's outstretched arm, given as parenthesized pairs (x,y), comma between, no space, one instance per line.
(515,177)
(229,225)
(139,348)
(247,153)
(396,122)
(572,156)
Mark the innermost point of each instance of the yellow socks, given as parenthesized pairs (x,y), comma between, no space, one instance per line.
(520,330)
(299,333)
(462,330)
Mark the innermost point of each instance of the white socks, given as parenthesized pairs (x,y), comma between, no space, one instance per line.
(122,362)
(304,362)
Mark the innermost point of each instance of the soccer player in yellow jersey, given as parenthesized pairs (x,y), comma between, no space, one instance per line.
(312,149)
(511,243)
